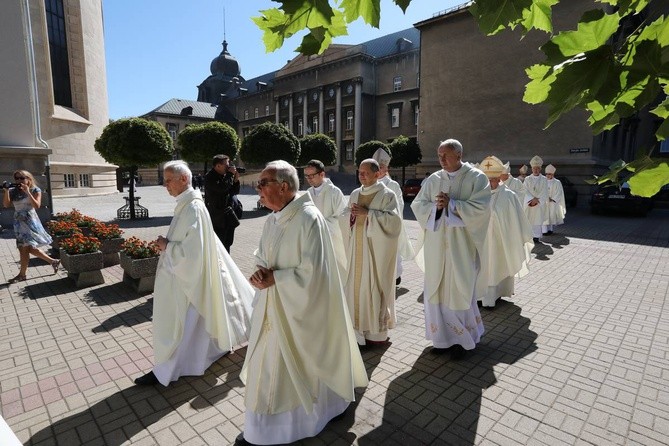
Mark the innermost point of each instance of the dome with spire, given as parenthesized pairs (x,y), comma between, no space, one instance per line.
(225,64)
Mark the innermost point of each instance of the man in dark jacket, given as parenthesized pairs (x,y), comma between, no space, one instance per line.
(221,183)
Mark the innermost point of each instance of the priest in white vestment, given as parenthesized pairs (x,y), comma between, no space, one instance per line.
(513,184)
(202,301)
(522,173)
(509,242)
(453,209)
(330,200)
(302,363)
(371,226)
(536,198)
(404,248)
(557,209)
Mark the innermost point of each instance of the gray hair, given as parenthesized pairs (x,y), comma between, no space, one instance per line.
(373,164)
(452,144)
(285,173)
(180,168)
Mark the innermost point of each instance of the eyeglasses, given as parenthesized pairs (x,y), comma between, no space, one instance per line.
(309,176)
(264,182)
(19,178)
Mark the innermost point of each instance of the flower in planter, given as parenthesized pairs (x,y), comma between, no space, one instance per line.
(87,222)
(80,244)
(60,228)
(74,216)
(140,249)
(106,232)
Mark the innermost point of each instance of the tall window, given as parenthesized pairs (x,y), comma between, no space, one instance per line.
(395,117)
(172,130)
(349,151)
(255,112)
(664,146)
(331,122)
(300,127)
(60,62)
(314,124)
(416,110)
(397,83)
(246,114)
(349,120)
(69,180)
(267,110)
(84,180)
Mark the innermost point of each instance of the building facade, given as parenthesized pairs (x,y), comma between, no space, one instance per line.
(54,95)
(472,89)
(353,93)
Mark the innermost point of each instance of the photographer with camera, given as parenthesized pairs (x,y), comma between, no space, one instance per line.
(25,196)
(221,184)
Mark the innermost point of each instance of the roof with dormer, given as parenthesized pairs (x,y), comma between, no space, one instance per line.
(180,107)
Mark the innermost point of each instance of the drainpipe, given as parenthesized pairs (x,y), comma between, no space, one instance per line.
(34,98)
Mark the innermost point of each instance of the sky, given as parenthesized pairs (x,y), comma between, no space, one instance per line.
(157,50)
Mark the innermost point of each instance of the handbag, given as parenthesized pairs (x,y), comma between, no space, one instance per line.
(230,218)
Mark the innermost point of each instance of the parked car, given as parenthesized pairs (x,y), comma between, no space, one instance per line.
(570,192)
(609,197)
(411,188)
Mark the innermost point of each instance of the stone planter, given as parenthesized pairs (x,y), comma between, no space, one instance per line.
(139,273)
(84,269)
(110,249)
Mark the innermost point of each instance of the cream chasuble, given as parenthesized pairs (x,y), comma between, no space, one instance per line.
(195,269)
(404,247)
(331,202)
(536,186)
(507,248)
(372,252)
(557,208)
(517,187)
(454,241)
(301,333)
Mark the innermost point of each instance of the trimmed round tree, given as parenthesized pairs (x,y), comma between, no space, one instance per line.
(367,150)
(133,143)
(268,142)
(406,152)
(201,142)
(319,147)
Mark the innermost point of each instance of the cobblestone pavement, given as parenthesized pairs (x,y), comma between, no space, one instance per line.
(579,356)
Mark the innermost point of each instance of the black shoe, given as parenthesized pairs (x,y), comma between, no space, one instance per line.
(549,233)
(535,239)
(398,281)
(458,352)
(241,441)
(440,351)
(147,380)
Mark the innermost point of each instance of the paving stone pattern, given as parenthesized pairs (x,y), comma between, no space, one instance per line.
(580,355)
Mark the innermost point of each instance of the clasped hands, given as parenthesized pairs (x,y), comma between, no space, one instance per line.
(442,200)
(162,243)
(262,278)
(533,202)
(357,210)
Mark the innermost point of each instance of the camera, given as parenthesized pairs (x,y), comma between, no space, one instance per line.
(239,169)
(6,185)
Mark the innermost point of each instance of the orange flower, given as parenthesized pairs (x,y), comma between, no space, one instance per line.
(80,244)
(140,249)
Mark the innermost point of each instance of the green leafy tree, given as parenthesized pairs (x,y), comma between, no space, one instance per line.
(133,143)
(317,146)
(614,64)
(366,150)
(200,142)
(406,152)
(268,142)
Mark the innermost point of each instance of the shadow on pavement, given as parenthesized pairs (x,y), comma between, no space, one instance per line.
(372,358)
(439,400)
(119,417)
(151,222)
(541,251)
(60,285)
(111,294)
(136,315)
